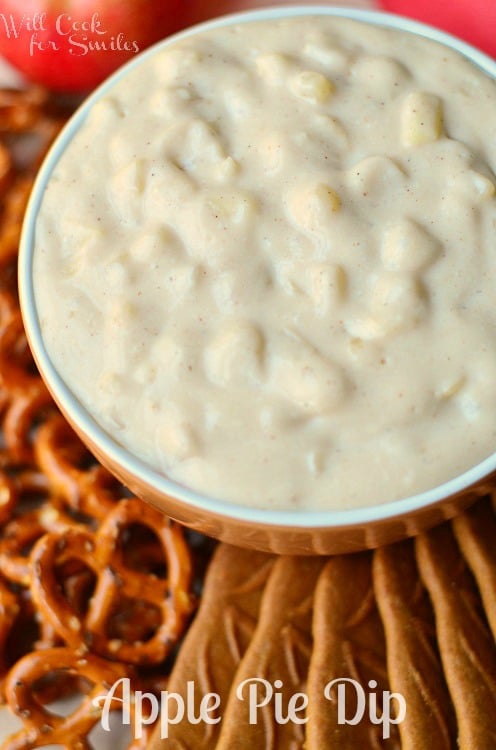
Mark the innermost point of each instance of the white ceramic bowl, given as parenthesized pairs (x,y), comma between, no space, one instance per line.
(290,532)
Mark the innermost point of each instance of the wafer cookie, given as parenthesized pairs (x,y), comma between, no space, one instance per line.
(475,533)
(465,642)
(216,642)
(348,645)
(278,654)
(413,661)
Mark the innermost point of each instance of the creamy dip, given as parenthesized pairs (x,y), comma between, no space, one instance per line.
(266,263)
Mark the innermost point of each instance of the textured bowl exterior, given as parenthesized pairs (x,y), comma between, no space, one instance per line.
(282,532)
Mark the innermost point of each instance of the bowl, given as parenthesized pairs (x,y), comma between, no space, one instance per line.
(278,531)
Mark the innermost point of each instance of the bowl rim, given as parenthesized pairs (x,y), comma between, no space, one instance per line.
(121,456)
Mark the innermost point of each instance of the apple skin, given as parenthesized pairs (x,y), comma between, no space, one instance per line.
(196,11)
(472,20)
(73,45)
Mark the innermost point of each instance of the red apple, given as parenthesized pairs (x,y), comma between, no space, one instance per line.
(473,20)
(72,45)
(202,10)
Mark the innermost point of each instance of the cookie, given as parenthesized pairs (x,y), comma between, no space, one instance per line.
(274,669)
(215,644)
(465,642)
(391,649)
(475,533)
(349,648)
(413,662)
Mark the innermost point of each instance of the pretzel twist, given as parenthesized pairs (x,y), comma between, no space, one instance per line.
(16,364)
(18,487)
(9,611)
(52,490)
(26,394)
(41,726)
(21,110)
(8,497)
(167,598)
(22,533)
(22,530)
(22,630)
(61,456)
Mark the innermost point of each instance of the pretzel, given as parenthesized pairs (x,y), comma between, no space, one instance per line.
(26,117)
(22,533)
(42,727)
(8,497)
(25,395)
(22,529)
(166,600)
(6,167)
(31,113)
(31,631)
(22,415)
(9,610)
(16,364)
(61,456)
(19,488)
(20,110)
(11,221)
(22,630)
(8,311)
(8,306)
(52,489)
